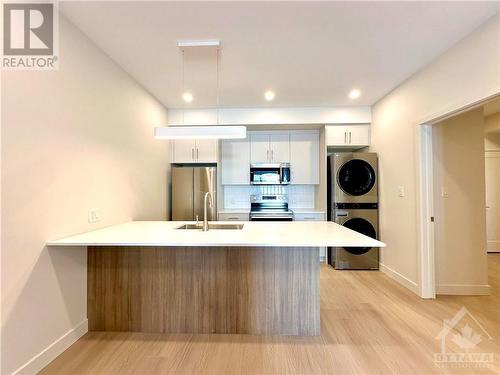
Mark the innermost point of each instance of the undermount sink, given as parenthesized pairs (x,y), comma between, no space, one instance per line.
(199,226)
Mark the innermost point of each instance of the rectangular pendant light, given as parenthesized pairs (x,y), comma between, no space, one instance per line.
(201,132)
(212,43)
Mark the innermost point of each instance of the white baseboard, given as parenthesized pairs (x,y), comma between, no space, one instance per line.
(413,286)
(463,289)
(42,359)
(493,247)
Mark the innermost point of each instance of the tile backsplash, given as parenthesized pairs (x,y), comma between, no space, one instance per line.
(238,196)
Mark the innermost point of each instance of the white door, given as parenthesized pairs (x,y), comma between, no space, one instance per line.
(280,147)
(336,135)
(236,162)
(359,135)
(304,157)
(206,150)
(259,147)
(184,151)
(492,178)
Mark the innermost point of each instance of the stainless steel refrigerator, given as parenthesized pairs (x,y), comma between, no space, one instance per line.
(189,185)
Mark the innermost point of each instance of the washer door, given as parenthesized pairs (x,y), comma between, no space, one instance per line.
(356,177)
(364,227)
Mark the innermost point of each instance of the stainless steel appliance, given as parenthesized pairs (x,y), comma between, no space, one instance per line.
(189,185)
(353,202)
(363,220)
(270,207)
(270,174)
(353,177)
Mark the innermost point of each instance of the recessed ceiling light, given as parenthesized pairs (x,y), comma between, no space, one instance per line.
(269,95)
(354,94)
(187,97)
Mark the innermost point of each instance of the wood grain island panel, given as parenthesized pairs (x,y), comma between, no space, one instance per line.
(241,290)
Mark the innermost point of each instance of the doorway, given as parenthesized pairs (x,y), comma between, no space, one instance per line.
(492,174)
(460,178)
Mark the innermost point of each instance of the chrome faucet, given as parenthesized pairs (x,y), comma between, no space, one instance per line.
(205,214)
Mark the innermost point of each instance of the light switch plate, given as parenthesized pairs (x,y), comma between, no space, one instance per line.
(94,216)
(401,191)
(444,192)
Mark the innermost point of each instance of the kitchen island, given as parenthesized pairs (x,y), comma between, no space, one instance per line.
(260,279)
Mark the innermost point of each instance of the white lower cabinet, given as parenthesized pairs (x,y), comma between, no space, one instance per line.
(234,216)
(316,216)
(312,216)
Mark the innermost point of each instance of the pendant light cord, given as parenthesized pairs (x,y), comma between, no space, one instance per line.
(183,88)
(217,78)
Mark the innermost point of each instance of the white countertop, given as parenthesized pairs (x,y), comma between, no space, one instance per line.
(253,234)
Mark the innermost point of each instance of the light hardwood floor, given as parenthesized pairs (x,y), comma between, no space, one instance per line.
(369,325)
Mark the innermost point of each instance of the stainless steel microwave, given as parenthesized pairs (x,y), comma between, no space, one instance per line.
(270,174)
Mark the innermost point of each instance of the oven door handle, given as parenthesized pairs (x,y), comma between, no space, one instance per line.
(272,217)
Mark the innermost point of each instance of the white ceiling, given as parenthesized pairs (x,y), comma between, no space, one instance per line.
(310,53)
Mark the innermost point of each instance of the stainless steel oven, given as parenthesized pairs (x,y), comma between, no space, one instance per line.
(270,208)
(270,174)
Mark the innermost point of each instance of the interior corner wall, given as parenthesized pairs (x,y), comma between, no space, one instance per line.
(459,204)
(73,139)
(456,79)
(492,123)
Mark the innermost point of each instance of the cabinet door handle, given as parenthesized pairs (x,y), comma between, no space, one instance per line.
(272,155)
(267,155)
(197,157)
(192,154)
(345,137)
(233,218)
(350,138)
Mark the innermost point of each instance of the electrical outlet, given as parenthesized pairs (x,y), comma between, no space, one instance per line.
(94,216)
(401,191)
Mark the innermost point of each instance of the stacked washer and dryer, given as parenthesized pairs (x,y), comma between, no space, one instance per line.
(353,203)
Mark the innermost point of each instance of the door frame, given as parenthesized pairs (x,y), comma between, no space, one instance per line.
(427,273)
(491,154)
(425,190)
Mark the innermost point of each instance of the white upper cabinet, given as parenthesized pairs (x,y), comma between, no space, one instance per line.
(279,146)
(270,147)
(194,151)
(183,151)
(206,150)
(356,136)
(259,147)
(304,157)
(359,135)
(236,162)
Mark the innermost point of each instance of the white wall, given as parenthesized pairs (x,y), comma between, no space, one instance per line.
(73,139)
(492,123)
(460,220)
(492,142)
(459,77)
(270,116)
